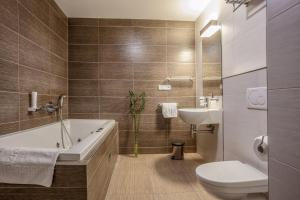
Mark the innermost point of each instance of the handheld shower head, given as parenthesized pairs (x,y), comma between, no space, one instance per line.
(60,100)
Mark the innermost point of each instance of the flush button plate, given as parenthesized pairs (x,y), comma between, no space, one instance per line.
(164,87)
(257,98)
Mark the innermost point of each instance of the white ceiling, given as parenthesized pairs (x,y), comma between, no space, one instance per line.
(187,10)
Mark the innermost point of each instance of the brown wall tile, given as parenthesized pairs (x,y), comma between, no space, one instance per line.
(149,23)
(38,8)
(59,66)
(181,69)
(33,193)
(83,35)
(9,14)
(9,128)
(58,86)
(181,24)
(150,71)
(117,88)
(82,70)
(83,21)
(33,29)
(9,107)
(153,122)
(115,71)
(32,55)
(150,88)
(150,36)
(116,35)
(114,105)
(179,36)
(84,105)
(83,87)
(181,54)
(9,44)
(58,23)
(141,53)
(58,46)
(115,22)
(116,53)
(40,83)
(59,12)
(8,76)
(146,138)
(85,53)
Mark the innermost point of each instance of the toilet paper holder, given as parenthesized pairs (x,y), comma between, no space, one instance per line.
(260,147)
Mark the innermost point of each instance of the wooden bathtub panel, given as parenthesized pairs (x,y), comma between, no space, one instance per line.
(31,193)
(98,156)
(98,182)
(64,176)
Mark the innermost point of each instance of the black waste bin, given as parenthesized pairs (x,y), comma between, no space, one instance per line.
(177,153)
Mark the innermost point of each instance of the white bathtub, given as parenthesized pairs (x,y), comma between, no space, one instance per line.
(84,135)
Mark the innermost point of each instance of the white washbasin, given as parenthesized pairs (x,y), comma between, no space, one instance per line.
(200,115)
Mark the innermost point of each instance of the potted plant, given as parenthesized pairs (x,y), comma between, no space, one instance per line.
(136,107)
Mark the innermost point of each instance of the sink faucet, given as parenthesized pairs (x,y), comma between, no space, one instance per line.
(203,102)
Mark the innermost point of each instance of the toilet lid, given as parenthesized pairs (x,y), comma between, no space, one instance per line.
(231,174)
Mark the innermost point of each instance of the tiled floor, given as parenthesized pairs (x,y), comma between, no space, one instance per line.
(156,177)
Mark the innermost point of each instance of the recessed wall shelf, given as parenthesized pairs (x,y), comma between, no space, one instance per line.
(180,78)
(212,78)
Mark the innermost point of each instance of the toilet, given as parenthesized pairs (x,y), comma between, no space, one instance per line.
(231,179)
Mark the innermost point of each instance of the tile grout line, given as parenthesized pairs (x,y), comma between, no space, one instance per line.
(18,14)
(99,71)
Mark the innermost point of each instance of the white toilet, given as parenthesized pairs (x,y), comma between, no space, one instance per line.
(232,179)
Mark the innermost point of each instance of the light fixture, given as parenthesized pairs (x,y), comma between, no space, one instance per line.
(210,28)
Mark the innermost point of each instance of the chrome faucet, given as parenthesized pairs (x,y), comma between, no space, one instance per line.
(51,108)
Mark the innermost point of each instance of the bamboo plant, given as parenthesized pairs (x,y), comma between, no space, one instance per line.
(136,107)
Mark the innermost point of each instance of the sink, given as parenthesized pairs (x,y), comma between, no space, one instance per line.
(200,115)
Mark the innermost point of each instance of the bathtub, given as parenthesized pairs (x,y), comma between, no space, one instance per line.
(85,135)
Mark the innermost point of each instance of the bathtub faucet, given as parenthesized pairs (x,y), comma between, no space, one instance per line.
(51,107)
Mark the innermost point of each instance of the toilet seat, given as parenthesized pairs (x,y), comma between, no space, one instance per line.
(232,178)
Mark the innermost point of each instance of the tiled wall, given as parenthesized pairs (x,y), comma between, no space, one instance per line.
(33,57)
(242,125)
(243,66)
(107,57)
(244,63)
(283,98)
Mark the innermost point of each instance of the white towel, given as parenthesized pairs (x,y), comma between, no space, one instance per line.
(27,166)
(169,110)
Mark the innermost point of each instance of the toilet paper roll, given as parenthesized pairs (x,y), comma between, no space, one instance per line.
(260,147)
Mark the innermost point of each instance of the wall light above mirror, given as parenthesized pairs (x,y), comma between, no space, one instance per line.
(210,28)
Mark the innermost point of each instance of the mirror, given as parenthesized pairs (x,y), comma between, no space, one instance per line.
(212,65)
